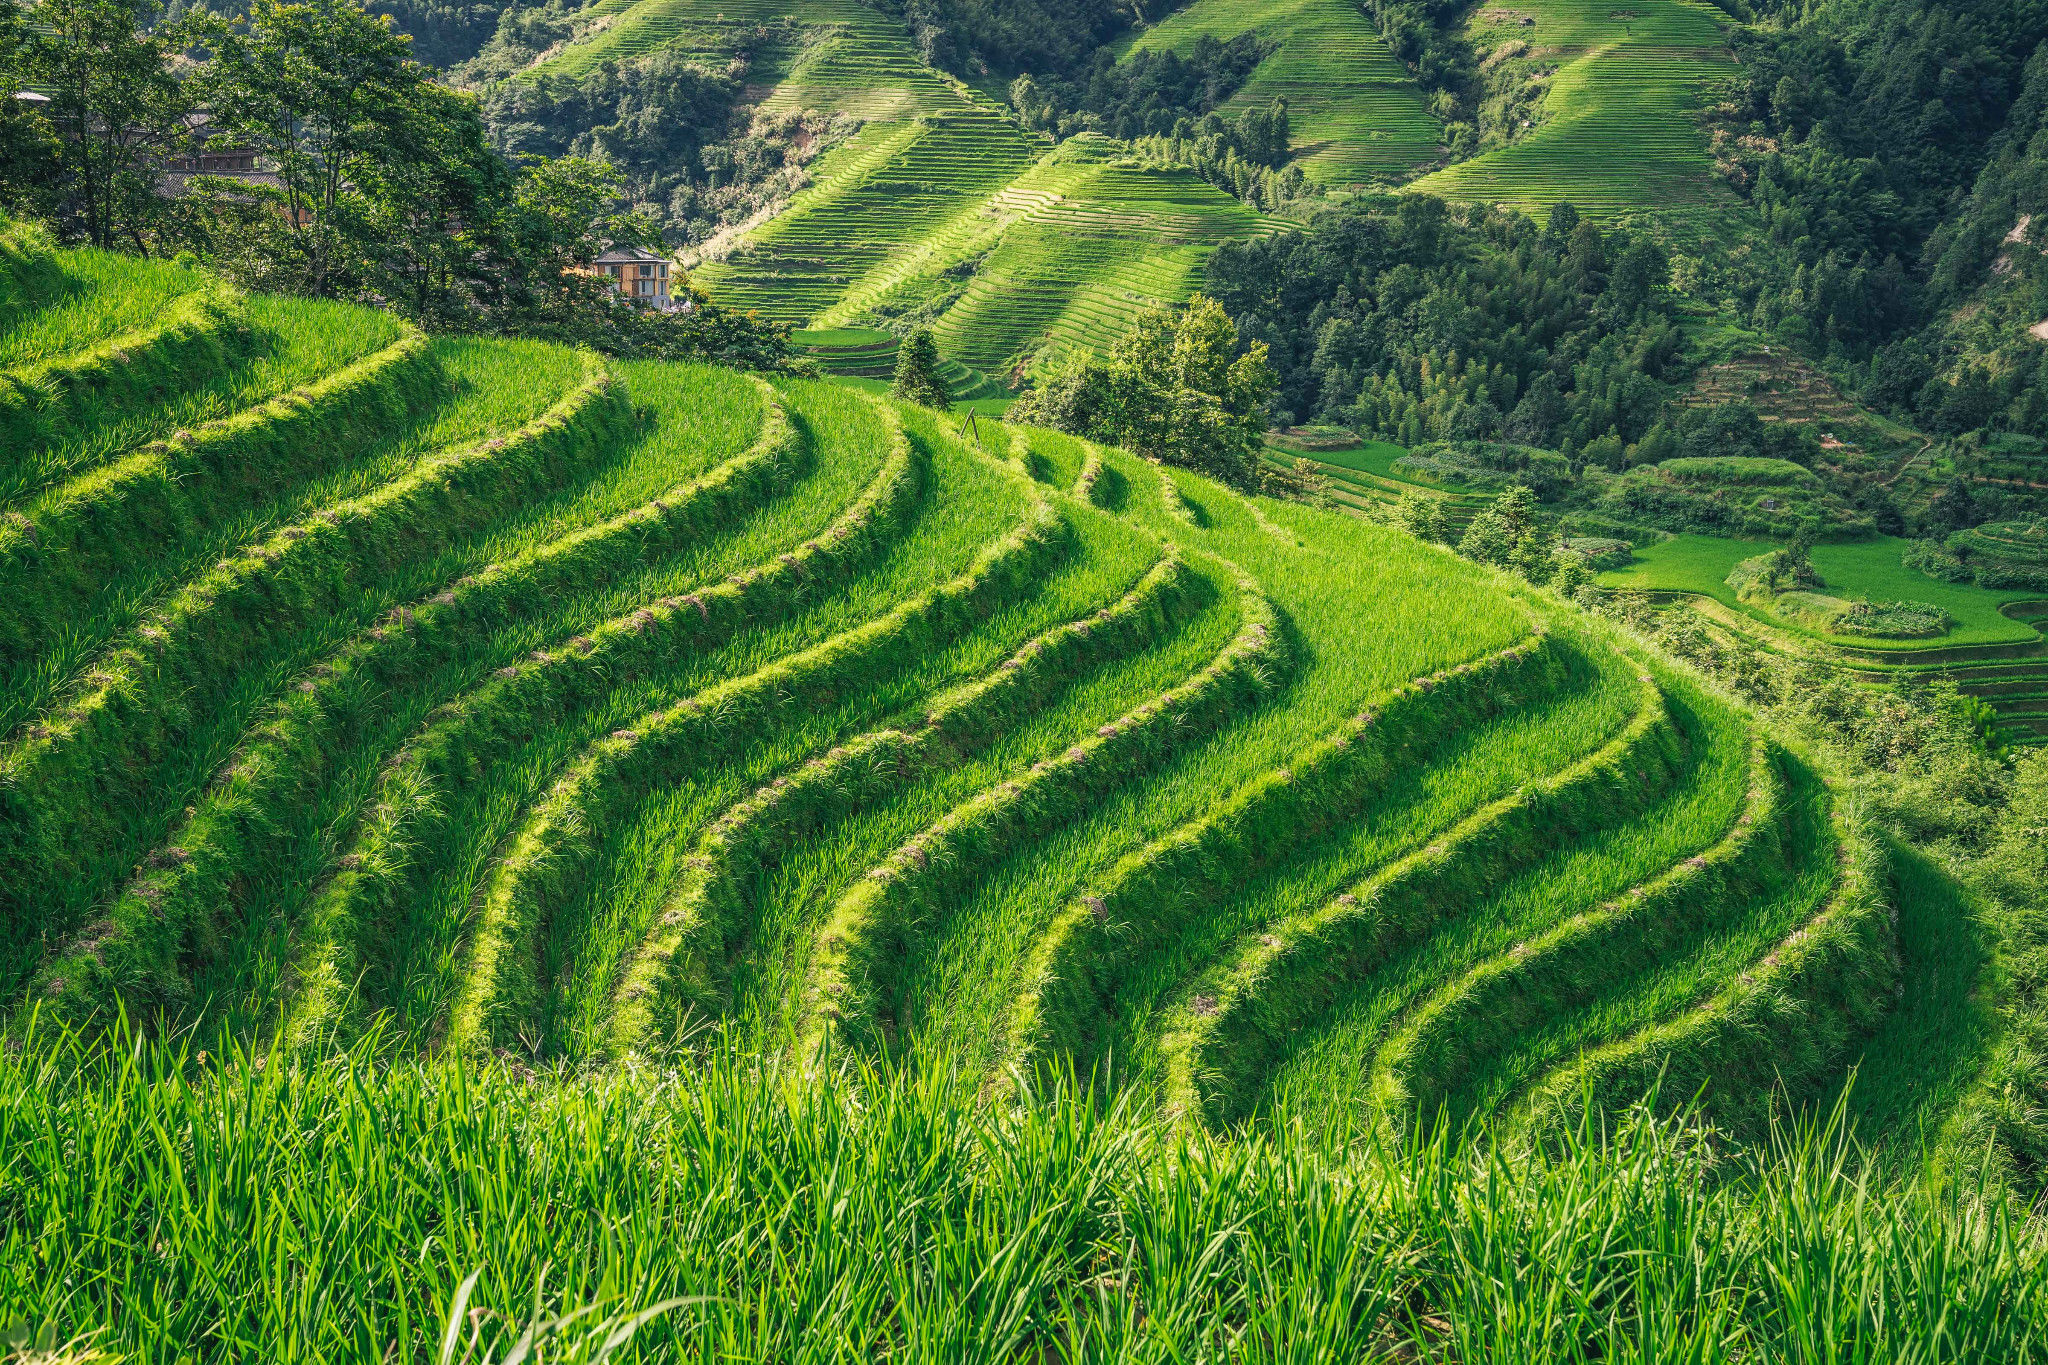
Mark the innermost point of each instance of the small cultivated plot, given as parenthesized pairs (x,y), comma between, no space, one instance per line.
(1374,475)
(1357,116)
(1735,495)
(1869,569)
(1617,131)
(1873,615)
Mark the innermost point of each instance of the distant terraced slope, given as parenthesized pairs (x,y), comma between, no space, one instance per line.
(835,56)
(524,701)
(1064,256)
(929,152)
(1619,131)
(1356,114)
(937,199)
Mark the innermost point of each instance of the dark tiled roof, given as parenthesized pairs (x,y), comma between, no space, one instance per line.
(624,255)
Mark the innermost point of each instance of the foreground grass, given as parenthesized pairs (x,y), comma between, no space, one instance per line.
(170,1205)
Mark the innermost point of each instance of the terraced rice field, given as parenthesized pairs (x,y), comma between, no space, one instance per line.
(1357,117)
(506,699)
(1618,133)
(1065,245)
(866,356)
(1075,247)
(1994,650)
(1060,256)
(1366,479)
(834,56)
(888,200)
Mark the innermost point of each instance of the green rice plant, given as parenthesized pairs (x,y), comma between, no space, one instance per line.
(341,731)
(962,971)
(170,1206)
(184,898)
(1493,1008)
(524,698)
(1276,982)
(31,274)
(226,620)
(547,862)
(1700,960)
(1774,1029)
(1076,972)
(769,983)
(676,967)
(61,550)
(985,504)
(289,342)
(853,968)
(198,333)
(105,294)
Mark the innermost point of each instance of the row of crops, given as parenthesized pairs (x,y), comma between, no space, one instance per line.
(1618,130)
(1078,245)
(834,56)
(504,699)
(1058,257)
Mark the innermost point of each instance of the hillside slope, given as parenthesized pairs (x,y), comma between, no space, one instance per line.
(1358,117)
(527,702)
(938,206)
(1615,128)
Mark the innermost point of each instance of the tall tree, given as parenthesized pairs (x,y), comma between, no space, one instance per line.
(917,372)
(120,111)
(324,92)
(1175,388)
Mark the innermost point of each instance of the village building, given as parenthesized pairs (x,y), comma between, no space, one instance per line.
(639,275)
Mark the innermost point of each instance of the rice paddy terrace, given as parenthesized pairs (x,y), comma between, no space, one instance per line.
(937,201)
(1356,115)
(1017,258)
(509,699)
(1617,131)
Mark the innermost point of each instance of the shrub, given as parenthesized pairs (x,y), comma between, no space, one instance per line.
(917,372)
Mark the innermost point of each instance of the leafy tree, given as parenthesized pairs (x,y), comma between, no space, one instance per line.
(564,213)
(428,218)
(1406,318)
(1507,536)
(323,91)
(1569,572)
(1301,480)
(1175,389)
(1152,94)
(119,109)
(1423,516)
(917,372)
